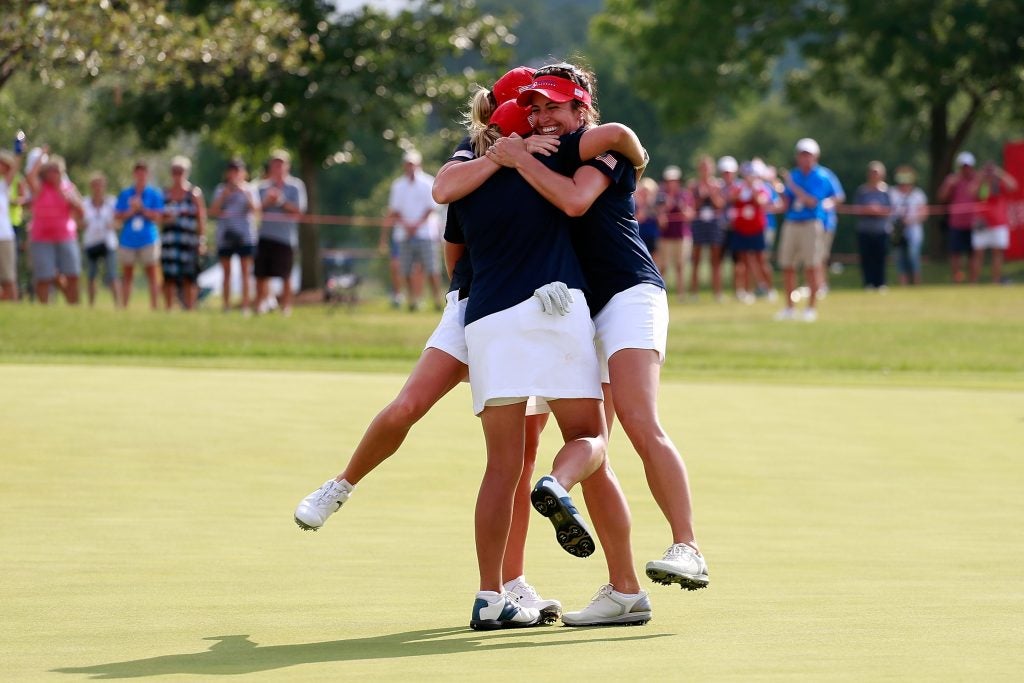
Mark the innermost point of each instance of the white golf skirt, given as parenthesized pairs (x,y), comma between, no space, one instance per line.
(450,334)
(522,352)
(635,318)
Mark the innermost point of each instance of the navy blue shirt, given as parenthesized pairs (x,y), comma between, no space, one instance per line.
(607,237)
(462,271)
(517,241)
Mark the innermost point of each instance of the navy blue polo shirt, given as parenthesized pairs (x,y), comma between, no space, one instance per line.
(517,241)
(607,237)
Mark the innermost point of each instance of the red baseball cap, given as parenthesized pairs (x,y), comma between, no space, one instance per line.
(510,118)
(555,89)
(508,86)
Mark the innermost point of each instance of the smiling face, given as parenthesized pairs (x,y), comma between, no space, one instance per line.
(554,118)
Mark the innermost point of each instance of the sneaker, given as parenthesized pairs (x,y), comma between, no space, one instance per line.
(681,564)
(553,501)
(315,508)
(526,595)
(785,314)
(810,315)
(612,608)
(492,611)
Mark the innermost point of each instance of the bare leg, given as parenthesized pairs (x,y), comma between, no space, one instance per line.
(225,266)
(504,429)
(246,266)
(262,290)
(811,275)
(977,259)
(127,274)
(997,265)
(635,378)
(514,563)
(154,286)
(70,289)
(286,293)
(43,291)
(789,282)
(169,290)
(436,373)
(581,422)
(716,270)
(695,269)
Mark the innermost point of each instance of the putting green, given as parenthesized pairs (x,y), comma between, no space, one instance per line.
(853,533)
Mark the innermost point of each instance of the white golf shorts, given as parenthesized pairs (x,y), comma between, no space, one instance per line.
(450,334)
(635,318)
(522,352)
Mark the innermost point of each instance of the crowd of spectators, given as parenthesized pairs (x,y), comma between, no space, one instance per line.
(750,215)
(162,231)
(734,211)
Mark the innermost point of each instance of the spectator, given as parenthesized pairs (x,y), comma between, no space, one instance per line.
(413,214)
(56,204)
(646,198)
(776,189)
(8,240)
(909,208)
(17,197)
(831,224)
(675,211)
(283,198)
(750,199)
(992,227)
(183,241)
(709,199)
(960,191)
(874,209)
(807,188)
(100,238)
(139,208)
(234,205)
(728,167)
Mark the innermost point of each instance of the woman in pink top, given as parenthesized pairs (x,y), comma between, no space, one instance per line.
(53,236)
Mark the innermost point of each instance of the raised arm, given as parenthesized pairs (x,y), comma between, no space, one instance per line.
(456,179)
(573,195)
(615,137)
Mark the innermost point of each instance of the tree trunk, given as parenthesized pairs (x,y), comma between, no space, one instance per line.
(309,233)
(939,158)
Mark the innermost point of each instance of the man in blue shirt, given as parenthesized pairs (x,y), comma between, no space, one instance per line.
(139,208)
(808,188)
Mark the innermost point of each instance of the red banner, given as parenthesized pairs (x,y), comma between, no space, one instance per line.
(1013,162)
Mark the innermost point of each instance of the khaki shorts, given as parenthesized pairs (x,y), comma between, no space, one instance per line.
(8,261)
(825,252)
(800,244)
(148,255)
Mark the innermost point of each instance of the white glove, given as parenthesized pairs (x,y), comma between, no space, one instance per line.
(555,297)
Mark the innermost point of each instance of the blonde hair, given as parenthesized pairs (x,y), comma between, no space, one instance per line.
(97,176)
(478,121)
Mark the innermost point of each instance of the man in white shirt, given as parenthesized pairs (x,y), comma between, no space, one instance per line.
(412,214)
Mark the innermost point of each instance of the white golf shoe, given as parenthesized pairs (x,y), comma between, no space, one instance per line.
(527,596)
(681,564)
(315,508)
(492,611)
(612,608)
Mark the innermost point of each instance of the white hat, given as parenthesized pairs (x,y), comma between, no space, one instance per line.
(412,157)
(672,173)
(808,145)
(965,159)
(728,165)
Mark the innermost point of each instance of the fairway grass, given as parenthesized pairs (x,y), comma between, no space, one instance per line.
(854,533)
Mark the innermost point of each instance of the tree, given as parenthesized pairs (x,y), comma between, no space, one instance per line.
(937,67)
(138,41)
(366,71)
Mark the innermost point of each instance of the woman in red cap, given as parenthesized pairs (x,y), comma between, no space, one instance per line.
(627,298)
(441,367)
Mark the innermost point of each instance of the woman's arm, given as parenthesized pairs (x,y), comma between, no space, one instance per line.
(615,137)
(572,195)
(452,254)
(456,179)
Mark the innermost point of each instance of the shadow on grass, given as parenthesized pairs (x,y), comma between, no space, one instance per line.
(234,655)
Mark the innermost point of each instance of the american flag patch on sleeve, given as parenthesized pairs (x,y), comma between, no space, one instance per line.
(608,160)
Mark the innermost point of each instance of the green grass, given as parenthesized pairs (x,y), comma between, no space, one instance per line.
(853,533)
(964,336)
(856,485)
